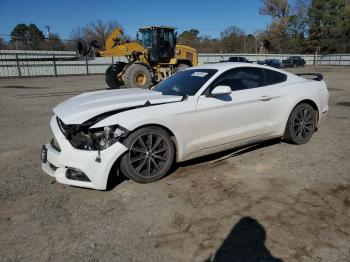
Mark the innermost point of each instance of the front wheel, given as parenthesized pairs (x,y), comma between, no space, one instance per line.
(137,76)
(301,124)
(150,155)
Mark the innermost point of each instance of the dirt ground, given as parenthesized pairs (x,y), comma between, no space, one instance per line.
(273,201)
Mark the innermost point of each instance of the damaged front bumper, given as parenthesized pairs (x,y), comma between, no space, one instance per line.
(76,167)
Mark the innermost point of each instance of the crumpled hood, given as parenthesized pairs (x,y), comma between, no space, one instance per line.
(81,108)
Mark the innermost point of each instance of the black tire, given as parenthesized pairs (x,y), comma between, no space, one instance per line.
(111,75)
(150,155)
(134,73)
(82,47)
(181,67)
(301,124)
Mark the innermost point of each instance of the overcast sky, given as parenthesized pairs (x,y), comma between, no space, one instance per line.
(209,16)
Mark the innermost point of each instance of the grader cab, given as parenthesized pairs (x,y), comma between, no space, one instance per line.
(155,57)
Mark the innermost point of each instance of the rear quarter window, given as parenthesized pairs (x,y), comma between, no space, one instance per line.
(273,77)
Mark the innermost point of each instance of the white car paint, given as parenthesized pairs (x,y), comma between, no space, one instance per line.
(200,124)
(80,108)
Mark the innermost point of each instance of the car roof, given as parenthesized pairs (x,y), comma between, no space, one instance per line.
(224,66)
(227,65)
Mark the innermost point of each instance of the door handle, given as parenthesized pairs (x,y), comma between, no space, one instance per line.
(265,98)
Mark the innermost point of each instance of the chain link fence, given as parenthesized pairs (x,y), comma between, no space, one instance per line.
(18,63)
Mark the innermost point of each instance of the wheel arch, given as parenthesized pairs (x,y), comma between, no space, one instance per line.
(311,103)
(168,130)
(292,106)
(114,171)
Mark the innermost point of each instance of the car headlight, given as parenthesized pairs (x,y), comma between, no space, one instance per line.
(86,138)
(104,137)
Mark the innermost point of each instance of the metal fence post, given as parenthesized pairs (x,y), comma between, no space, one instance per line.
(54,64)
(87,66)
(18,67)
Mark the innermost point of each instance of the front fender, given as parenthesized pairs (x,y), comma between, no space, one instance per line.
(178,118)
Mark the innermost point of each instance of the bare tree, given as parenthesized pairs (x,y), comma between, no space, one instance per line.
(279,10)
(98,30)
(231,30)
(275,8)
(297,25)
(232,40)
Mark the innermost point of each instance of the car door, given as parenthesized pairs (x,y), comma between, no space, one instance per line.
(275,91)
(240,116)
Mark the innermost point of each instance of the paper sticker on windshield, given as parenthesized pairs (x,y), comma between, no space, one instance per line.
(199,74)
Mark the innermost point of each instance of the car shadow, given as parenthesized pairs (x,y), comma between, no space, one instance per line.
(245,243)
(116,177)
(227,154)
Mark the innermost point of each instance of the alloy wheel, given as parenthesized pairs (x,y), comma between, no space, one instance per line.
(149,154)
(304,123)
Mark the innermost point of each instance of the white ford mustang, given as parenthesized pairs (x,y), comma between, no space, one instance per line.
(195,112)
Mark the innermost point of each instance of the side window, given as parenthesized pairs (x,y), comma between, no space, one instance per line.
(161,38)
(242,78)
(273,77)
(171,39)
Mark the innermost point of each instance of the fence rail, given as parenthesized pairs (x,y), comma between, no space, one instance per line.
(16,64)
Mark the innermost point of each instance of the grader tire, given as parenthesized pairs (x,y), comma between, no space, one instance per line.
(137,76)
(111,75)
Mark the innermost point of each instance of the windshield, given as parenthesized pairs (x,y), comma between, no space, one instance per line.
(186,82)
(147,39)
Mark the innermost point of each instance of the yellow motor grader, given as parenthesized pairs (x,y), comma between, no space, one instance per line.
(155,58)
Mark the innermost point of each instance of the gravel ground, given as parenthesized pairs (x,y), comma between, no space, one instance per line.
(272,201)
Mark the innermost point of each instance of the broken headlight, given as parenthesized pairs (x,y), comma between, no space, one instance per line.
(97,138)
(102,138)
(86,138)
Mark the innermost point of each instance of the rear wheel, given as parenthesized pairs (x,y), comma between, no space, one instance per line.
(111,75)
(137,76)
(301,124)
(150,155)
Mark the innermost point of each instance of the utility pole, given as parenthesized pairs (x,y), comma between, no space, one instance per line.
(244,43)
(49,35)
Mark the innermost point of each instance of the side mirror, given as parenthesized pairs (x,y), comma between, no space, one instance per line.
(221,90)
(137,36)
